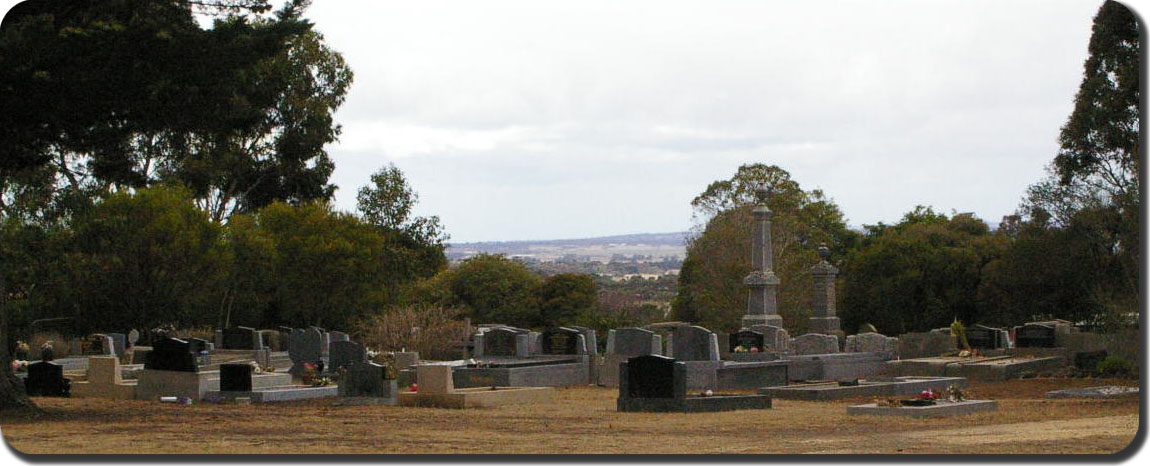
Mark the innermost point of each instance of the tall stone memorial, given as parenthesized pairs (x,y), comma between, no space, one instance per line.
(762,307)
(823,318)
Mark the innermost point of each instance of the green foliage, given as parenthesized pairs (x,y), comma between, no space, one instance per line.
(919,275)
(1099,143)
(1116,366)
(565,297)
(415,244)
(328,266)
(959,331)
(147,259)
(489,288)
(710,290)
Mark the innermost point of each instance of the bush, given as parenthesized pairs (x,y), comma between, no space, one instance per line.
(1115,366)
(436,332)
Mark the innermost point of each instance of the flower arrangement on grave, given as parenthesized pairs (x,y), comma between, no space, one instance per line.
(308,374)
(740,349)
(256,368)
(755,349)
(320,382)
(954,394)
(21,350)
(927,398)
(19,366)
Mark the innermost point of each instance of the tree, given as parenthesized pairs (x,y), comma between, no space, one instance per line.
(416,244)
(147,259)
(710,290)
(489,288)
(1100,140)
(919,274)
(329,267)
(565,297)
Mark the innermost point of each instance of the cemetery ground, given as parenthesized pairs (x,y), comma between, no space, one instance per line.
(580,420)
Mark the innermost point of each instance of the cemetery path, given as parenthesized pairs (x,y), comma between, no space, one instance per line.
(580,420)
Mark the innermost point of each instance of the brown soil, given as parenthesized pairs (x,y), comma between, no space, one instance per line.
(582,420)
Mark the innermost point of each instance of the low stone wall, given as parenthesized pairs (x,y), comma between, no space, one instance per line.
(751,375)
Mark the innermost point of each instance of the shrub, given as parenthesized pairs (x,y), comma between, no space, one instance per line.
(436,332)
(1115,366)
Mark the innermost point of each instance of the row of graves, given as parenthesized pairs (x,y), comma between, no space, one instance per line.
(1002,353)
(239,366)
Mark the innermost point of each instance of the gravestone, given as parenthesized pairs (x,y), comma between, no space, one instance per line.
(634,342)
(694,343)
(364,379)
(873,343)
(983,337)
(561,340)
(241,338)
(500,342)
(747,339)
(197,345)
(97,344)
(589,338)
(236,377)
(335,336)
(171,354)
(119,343)
(345,353)
(271,340)
(814,343)
(46,378)
(649,376)
(1034,336)
(305,347)
(775,338)
(133,337)
(925,344)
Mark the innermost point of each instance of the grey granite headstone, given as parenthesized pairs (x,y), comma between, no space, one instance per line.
(814,343)
(589,338)
(633,342)
(561,340)
(694,343)
(873,343)
(364,379)
(241,338)
(338,336)
(502,342)
(776,338)
(119,343)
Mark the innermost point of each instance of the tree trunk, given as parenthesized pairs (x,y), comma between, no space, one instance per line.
(12,395)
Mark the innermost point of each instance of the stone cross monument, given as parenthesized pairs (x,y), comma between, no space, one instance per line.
(823,319)
(762,308)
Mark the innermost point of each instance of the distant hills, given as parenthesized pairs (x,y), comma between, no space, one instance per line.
(600,249)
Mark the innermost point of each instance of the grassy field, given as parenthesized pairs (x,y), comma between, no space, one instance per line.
(582,420)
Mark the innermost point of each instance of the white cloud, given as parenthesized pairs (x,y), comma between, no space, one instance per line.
(537,120)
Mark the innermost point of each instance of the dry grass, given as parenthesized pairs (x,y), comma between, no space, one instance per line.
(583,420)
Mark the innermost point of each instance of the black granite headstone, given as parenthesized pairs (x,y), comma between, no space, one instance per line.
(171,354)
(345,353)
(197,345)
(650,376)
(560,340)
(47,379)
(235,377)
(499,342)
(1034,336)
(747,339)
(983,337)
(239,338)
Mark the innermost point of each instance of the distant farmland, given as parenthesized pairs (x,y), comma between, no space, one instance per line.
(601,249)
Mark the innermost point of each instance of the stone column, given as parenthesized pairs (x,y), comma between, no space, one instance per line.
(762,308)
(823,319)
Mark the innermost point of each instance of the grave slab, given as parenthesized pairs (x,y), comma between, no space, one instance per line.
(942,409)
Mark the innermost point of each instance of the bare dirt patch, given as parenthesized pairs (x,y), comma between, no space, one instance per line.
(582,420)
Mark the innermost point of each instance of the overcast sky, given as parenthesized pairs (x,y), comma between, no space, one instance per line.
(540,120)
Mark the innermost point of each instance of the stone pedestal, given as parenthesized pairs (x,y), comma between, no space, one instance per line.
(773,320)
(823,318)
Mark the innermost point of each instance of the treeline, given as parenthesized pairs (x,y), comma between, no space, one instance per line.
(1070,251)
